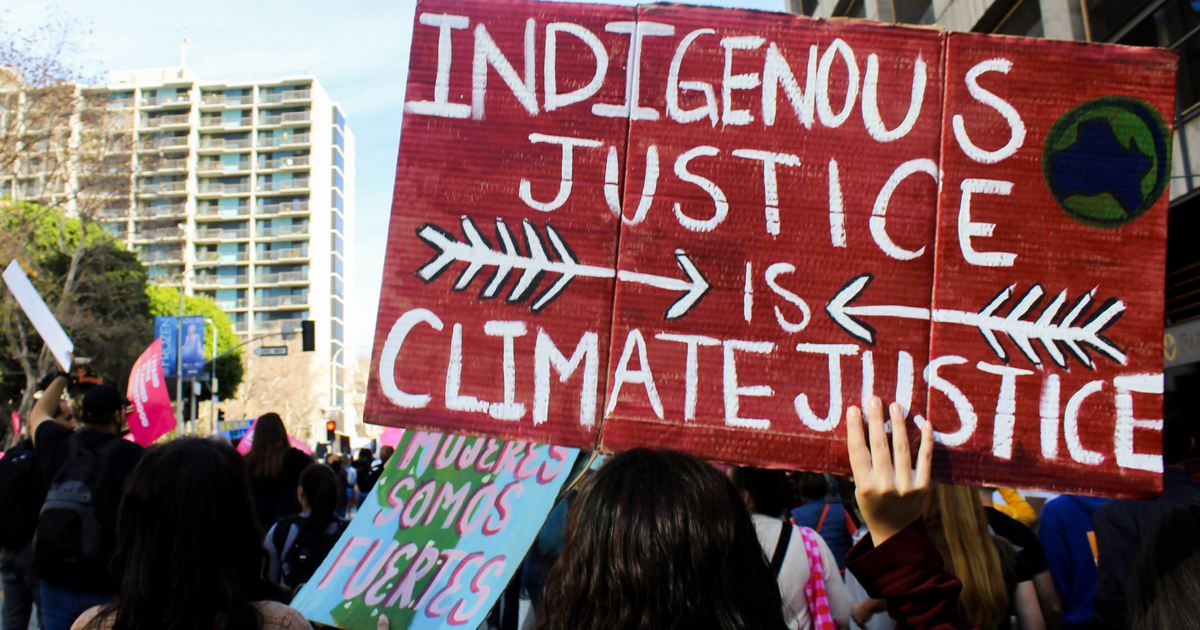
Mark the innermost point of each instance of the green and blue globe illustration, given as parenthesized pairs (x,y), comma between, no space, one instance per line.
(1108,160)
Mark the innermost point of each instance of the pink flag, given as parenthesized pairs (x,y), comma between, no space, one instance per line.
(152,414)
(248,441)
(391,437)
(16,423)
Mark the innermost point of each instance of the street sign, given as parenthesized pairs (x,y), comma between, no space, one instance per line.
(271,351)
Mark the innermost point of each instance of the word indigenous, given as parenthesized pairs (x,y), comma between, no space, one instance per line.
(808,208)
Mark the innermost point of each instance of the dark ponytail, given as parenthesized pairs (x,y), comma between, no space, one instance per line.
(319,483)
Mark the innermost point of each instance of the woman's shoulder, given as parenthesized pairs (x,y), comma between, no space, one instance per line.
(277,616)
(93,620)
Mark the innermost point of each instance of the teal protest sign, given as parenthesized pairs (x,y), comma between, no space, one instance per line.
(440,534)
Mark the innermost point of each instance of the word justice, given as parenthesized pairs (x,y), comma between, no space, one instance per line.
(770,162)
(810,96)
(633,369)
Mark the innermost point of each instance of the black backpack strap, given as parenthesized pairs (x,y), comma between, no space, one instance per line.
(283,527)
(781,547)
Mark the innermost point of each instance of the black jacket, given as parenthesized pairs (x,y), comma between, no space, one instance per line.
(275,498)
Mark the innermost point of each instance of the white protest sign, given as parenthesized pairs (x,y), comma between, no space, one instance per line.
(38,313)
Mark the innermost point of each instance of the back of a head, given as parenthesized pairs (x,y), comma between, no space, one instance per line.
(768,489)
(813,486)
(1164,591)
(660,540)
(385,453)
(319,483)
(265,458)
(189,547)
(958,526)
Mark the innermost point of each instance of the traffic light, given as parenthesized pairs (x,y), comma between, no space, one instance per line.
(308,335)
(331,431)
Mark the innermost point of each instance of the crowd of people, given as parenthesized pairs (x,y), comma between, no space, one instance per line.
(97,532)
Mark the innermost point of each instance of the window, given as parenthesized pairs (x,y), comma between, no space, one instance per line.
(336,243)
(336,222)
(336,264)
(337,138)
(335,307)
(338,332)
(337,180)
(338,160)
(336,287)
(336,200)
(338,119)
(1170,26)
(339,398)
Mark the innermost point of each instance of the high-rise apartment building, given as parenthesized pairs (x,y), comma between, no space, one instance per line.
(243,191)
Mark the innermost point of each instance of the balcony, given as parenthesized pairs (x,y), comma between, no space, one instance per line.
(218,98)
(221,121)
(214,166)
(295,183)
(289,95)
(283,208)
(241,327)
(164,210)
(203,258)
(222,233)
(160,234)
(284,162)
(172,164)
(175,256)
(153,144)
(161,188)
(283,230)
(217,188)
(221,212)
(281,300)
(231,304)
(282,277)
(214,280)
(120,103)
(283,254)
(279,141)
(108,214)
(279,325)
(227,144)
(165,121)
(287,117)
(169,99)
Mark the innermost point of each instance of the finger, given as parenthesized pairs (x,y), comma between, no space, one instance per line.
(383,622)
(881,457)
(856,444)
(924,457)
(903,461)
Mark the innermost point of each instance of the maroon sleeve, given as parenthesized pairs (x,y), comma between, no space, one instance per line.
(908,572)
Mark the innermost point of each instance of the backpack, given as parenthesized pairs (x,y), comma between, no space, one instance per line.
(308,549)
(70,534)
(21,494)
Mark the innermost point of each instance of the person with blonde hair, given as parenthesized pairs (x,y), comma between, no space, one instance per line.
(994,586)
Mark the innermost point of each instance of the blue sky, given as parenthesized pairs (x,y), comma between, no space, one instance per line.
(358,51)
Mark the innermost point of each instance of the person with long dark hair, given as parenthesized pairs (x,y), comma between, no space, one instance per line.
(189,547)
(297,544)
(1164,590)
(662,540)
(275,467)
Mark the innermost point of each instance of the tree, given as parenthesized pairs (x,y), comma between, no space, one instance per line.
(95,287)
(287,385)
(165,301)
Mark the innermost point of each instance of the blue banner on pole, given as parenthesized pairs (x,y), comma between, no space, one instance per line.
(191,352)
(166,328)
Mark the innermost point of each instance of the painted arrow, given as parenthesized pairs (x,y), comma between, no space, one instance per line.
(478,252)
(1066,335)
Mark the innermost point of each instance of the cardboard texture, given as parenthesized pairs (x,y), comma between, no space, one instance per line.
(1070,399)
(765,211)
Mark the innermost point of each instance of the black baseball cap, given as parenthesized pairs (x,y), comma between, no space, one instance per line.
(101,402)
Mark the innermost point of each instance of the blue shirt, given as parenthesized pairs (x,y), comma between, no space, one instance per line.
(1066,522)
(832,530)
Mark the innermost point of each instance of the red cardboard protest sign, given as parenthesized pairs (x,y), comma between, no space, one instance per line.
(1048,302)
(715,230)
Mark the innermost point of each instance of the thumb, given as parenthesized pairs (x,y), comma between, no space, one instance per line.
(383,622)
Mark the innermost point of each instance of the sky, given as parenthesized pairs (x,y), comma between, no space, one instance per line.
(358,52)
